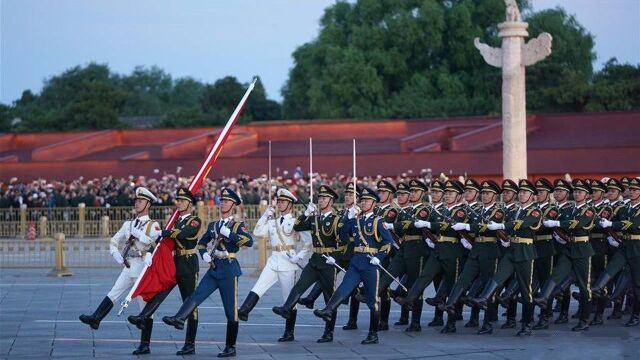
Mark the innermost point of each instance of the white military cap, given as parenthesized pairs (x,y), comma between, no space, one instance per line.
(284,194)
(145,194)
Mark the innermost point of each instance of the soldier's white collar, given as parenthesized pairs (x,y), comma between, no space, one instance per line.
(509,205)
(581,205)
(490,206)
(541,205)
(450,208)
(562,204)
(184,216)
(473,203)
(327,213)
(438,205)
(286,216)
(598,204)
(227,219)
(384,206)
(634,206)
(525,207)
(368,215)
(416,205)
(143,218)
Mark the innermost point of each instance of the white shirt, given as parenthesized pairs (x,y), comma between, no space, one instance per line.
(281,234)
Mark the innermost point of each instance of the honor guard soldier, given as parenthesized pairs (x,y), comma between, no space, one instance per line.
(185,234)
(138,238)
(471,193)
(322,222)
(483,256)
(520,253)
(227,237)
(372,244)
(283,262)
(576,256)
(628,224)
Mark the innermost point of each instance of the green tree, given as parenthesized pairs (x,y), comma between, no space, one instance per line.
(615,87)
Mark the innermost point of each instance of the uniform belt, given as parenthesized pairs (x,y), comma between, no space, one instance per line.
(486,239)
(321,250)
(282,247)
(519,240)
(543,238)
(230,256)
(579,239)
(342,248)
(181,252)
(411,237)
(630,237)
(448,239)
(597,236)
(366,250)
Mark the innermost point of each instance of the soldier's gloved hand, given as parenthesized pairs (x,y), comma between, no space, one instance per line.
(352,212)
(220,253)
(148,259)
(268,213)
(466,244)
(551,223)
(330,260)
(422,224)
(388,226)
(612,241)
(225,231)
(559,239)
(505,243)
(294,258)
(461,226)
(492,225)
(311,208)
(374,261)
(604,223)
(430,243)
(117,257)
(206,257)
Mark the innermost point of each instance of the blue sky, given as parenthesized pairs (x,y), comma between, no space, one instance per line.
(208,40)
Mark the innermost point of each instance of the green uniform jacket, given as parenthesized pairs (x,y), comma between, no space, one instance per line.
(544,243)
(629,225)
(324,234)
(490,250)
(185,234)
(404,227)
(449,250)
(524,223)
(580,221)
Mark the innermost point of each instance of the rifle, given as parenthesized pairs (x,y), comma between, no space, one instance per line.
(462,233)
(128,244)
(427,233)
(219,239)
(501,234)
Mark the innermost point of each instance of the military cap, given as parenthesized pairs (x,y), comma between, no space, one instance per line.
(491,186)
(403,188)
(634,183)
(286,195)
(562,184)
(579,184)
(229,194)
(384,185)
(437,185)
(509,185)
(527,185)
(614,184)
(597,185)
(543,184)
(454,185)
(349,188)
(416,184)
(625,181)
(324,190)
(471,184)
(369,193)
(144,194)
(185,194)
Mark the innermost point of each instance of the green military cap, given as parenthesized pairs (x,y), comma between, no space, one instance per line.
(185,194)
(144,194)
(284,194)
(634,183)
(509,185)
(625,181)
(491,186)
(437,185)
(416,184)
(349,189)
(543,184)
(471,184)
(384,185)
(229,194)
(597,185)
(403,188)
(527,185)
(614,184)
(324,190)
(454,185)
(579,184)
(562,184)
(369,193)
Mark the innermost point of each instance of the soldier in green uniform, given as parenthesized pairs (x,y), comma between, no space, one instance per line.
(471,193)
(510,206)
(521,227)
(185,234)
(628,224)
(323,224)
(483,256)
(576,257)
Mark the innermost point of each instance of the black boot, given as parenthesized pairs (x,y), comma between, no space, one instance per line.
(385,309)
(487,328)
(230,344)
(527,319)
(103,309)
(617,311)
(634,320)
(482,300)
(327,313)
(454,296)
(416,315)
(248,305)
(372,336)
(145,339)
(404,316)
(438,319)
(476,288)
(354,307)
(327,336)
(542,300)
(474,319)
(450,328)
(311,297)
(440,296)
(599,289)
(585,312)
(189,347)
(177,320)
(509,293)
(287,307)
(289,327)
(543,321)
(563,318)
(141,319)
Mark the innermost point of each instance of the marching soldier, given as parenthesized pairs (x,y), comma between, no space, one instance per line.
(228,237)
(322,222)
(510,200)
(518,258)
(185,233)
(576,257)
(471,192)
(372,244)
(283,262)
(139,236)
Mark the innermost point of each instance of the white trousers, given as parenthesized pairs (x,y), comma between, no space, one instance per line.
(126,280)
(268,278)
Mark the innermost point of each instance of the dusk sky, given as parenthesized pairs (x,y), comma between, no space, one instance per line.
(208,40)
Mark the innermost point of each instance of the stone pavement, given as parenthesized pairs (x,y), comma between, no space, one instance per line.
(39,320)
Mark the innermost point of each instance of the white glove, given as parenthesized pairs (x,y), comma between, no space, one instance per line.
(388,226)
(220,253)
(117,257)
(559,239)
(430,243)
(225,231)
(148,259)
(612,241)
(551,223)
(422,224)
(466,244)
(495,226)
(374,261)
(268,212)
(461,226)
(206,257)
(505,243)
(311,208)
(330,260)
(351,213)
(294,258)
(604,223)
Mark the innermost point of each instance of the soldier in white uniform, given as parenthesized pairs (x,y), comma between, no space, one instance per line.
(283,262)
(136,238)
